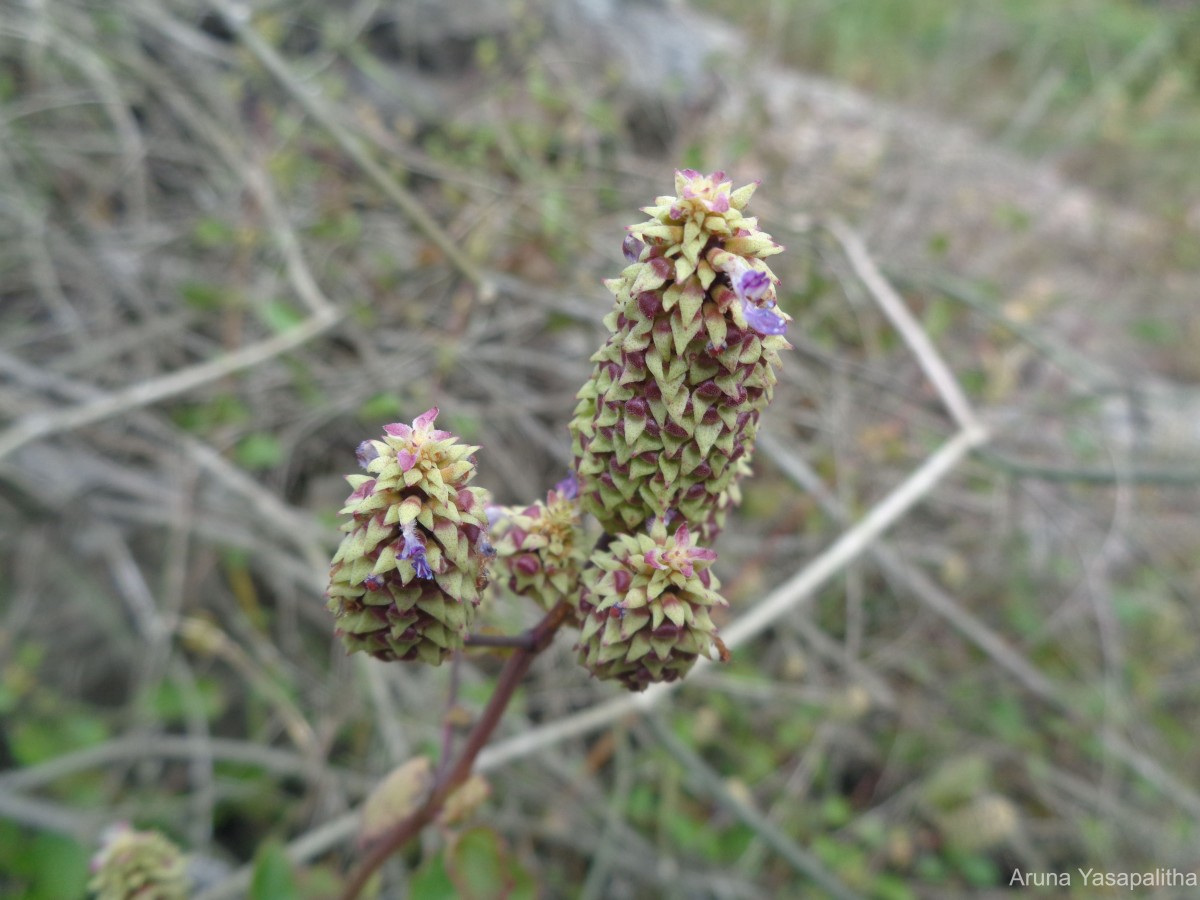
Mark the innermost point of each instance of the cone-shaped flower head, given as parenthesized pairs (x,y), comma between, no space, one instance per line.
(540,547)
(137,865)
(645,608)
(405,582)
(668,418)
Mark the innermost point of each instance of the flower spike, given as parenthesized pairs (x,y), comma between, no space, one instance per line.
(406,580)
(645,608)
(667,421)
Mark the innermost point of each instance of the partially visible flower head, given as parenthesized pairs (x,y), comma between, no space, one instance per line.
(137,865)
(541,546)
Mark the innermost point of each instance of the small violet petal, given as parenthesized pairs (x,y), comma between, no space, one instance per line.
(366,452)
(764,321)
(414,551)
(751,285)
(568,488)
(632,248)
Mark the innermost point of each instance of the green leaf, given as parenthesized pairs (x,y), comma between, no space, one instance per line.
(320,883)
(36,740)
(170,703)
(939,316)
(207,297)
(977,870)
(430,881)
(259,451)
(481,868)
(279,315)
(274,877)
(1156,331)
(59,867)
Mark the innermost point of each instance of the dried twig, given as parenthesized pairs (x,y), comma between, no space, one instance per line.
(38,425)
(902,320)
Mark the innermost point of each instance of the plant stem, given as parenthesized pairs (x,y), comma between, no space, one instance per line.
(520,641)
(511,676)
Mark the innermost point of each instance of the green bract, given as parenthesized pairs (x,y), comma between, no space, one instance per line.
(645,608)
(405,582)
(667,421)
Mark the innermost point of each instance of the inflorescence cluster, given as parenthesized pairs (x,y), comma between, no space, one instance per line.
(662,433)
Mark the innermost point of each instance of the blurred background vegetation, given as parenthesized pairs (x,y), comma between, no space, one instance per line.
(235,241)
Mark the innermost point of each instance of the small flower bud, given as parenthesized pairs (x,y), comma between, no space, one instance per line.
(540,546)
(137,865)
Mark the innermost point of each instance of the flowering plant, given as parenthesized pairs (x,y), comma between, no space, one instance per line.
(662,433)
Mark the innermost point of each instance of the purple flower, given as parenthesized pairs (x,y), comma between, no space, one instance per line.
(414,550)
(752,288)
(764,321)
(495,513)
(751,285)
(568,488)
(366,452)
(373,582)
(632,248)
